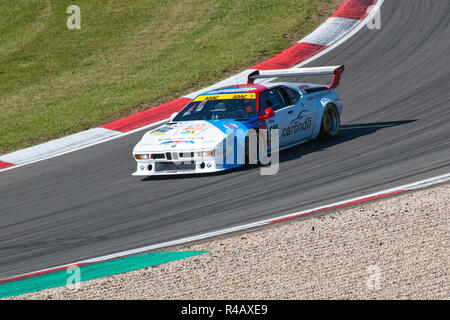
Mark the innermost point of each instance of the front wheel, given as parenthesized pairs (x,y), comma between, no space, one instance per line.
(255,147)
(331,123)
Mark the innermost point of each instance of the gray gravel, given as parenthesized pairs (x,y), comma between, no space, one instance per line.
(394,248)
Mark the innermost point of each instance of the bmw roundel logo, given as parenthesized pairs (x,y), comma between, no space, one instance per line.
(209,165)
(142,167)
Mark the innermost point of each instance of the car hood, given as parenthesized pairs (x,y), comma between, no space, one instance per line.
(188,135)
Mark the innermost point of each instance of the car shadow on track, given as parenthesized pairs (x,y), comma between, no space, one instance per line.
(348,132)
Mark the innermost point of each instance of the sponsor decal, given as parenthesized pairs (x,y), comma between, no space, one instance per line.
(177,141)
(297,125)
(175,171)
(228,96)
(231,126)
(193,129)
(161,130)
(231,90)
(197,139)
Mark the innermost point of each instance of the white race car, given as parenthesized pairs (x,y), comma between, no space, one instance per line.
(215,130)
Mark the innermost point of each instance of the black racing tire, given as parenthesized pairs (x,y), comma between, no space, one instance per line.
(248,157)
(261,147)
(331,123)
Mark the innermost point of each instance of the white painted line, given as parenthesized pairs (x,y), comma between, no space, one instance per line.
(58,146)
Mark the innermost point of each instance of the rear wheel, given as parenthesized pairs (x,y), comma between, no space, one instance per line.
(331,123)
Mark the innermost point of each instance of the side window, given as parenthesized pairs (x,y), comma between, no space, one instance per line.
(270,99)
(291,94)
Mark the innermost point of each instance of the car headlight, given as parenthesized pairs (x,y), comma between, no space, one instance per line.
(206,153)
(142,156)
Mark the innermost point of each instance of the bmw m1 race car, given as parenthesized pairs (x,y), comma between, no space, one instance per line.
(222,129)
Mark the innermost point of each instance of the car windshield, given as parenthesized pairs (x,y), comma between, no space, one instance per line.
(203,109)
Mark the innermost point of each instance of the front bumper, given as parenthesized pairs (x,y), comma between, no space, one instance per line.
(187,162)
(150,168)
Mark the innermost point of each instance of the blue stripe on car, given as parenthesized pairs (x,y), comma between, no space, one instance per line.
(240,129)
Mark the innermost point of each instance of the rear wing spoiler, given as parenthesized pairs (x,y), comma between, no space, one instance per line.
(295,72)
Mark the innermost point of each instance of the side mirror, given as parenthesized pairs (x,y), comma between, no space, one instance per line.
(269,113)
(173,115)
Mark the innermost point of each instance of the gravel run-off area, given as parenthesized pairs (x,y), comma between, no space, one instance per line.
(393,248)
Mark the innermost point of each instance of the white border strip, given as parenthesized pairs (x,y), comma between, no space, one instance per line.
(351,32)
(330,31)
(119,135)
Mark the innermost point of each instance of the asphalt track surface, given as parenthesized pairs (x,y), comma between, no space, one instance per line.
(396,97)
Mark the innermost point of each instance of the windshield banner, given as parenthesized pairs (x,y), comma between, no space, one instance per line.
(228,96)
